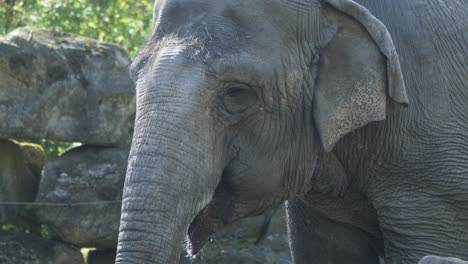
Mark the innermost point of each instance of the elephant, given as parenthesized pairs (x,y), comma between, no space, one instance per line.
(440,260)
(354,114)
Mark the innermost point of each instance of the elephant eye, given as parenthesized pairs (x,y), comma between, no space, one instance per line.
(238,98)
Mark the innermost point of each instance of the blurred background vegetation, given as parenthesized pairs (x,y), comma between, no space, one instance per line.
(124,22)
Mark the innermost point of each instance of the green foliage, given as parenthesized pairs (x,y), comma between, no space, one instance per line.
(41,230)
(124,22)
(55,148)
(44,231)
(9,227)
(51,148)
(26,223)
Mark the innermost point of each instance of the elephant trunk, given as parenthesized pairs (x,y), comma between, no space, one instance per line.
(170,178)
(150,228)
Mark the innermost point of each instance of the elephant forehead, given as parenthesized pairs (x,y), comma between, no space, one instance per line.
(238,18)
(226,3)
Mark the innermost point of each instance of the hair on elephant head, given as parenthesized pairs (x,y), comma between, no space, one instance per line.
(235,99)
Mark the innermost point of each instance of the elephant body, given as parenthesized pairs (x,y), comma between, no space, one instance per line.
(353,112)
(406,183)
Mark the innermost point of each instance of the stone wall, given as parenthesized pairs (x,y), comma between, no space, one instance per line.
(67,88)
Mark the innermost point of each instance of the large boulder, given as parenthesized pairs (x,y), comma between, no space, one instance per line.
(93,177)
(20,172)
(64,87)
(18,248)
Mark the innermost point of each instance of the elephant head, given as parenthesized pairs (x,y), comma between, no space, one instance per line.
(235,101)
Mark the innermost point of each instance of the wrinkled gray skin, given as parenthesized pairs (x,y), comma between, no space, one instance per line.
(245,104)
(440,260)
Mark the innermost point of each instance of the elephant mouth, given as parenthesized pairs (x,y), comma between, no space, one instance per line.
(201,230)
(217,214)
(224,208)
(210,220)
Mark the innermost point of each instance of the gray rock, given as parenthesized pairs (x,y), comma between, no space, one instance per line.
(81,175)
(20,172)
(21,248)
(63,87)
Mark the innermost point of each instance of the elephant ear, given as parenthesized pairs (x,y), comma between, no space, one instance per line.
(359,77)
